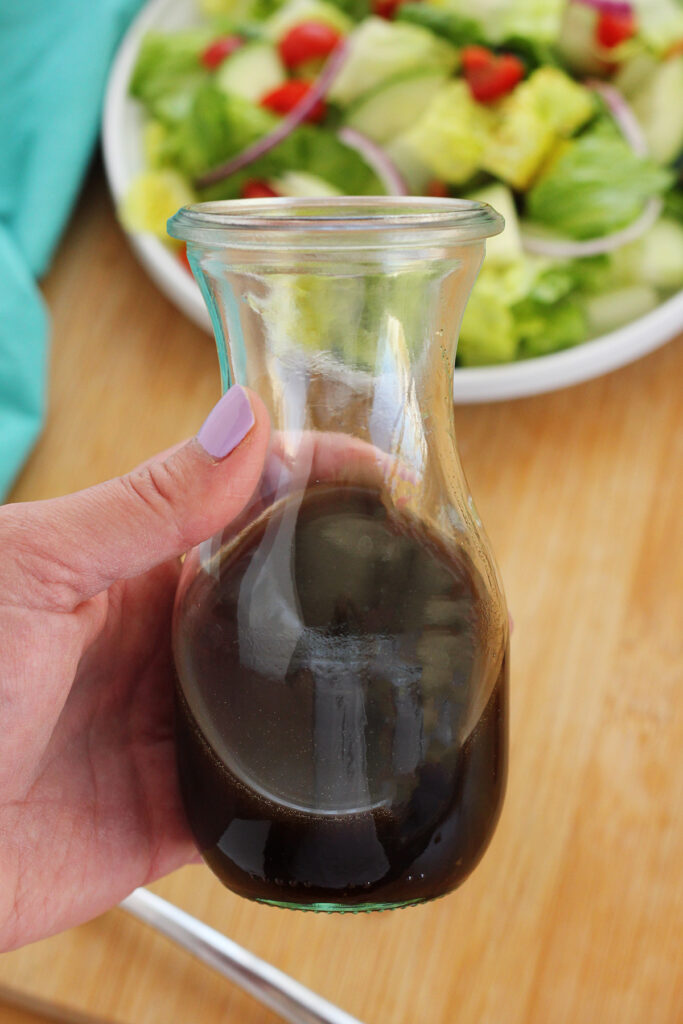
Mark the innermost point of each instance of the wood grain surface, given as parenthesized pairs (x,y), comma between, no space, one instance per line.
(576,912)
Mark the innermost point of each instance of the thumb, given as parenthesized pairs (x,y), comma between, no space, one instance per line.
(66,550)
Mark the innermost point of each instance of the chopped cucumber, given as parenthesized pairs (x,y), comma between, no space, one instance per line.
(659,108)
(392,107)
(613,309)
(412,169)
(577,40)
(251,72)
(379,50)
(656,258)
(300,185)
(634,73)
(506,247)
(452,134)
(660,22)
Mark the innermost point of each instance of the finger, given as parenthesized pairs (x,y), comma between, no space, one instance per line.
(326,457)
(69,549)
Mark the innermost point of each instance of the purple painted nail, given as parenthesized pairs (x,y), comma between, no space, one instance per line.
(227,424)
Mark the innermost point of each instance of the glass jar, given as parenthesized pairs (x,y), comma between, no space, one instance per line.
(341,648)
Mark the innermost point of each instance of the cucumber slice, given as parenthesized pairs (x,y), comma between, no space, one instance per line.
(414,171)
(301,185)
(659,108)
(613,309)
(251,72)
(506,247)
(392,107)
(656,258)
(380,50)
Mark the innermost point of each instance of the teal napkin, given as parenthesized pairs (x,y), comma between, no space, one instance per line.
(54,60)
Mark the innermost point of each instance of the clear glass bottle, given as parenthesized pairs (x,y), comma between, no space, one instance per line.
(341,649)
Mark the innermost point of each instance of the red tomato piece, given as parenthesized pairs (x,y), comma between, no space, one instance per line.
(386,8)
(285,97)
(612,29)
(497,79)
(217,51)
(310,40)
(476,58)
(437,189)
(258,190)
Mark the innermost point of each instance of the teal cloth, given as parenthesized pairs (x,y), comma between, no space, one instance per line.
(54,60)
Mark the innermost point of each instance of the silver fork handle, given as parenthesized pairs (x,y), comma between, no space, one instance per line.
(287,997)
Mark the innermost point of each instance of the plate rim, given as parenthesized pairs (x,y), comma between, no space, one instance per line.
(540,375)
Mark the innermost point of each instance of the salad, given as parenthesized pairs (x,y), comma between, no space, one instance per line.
(567,117)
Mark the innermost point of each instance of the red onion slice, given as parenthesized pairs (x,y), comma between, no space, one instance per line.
(561,249)
(608,6)
(566,248)
(622,114)
(376,158)
(286,126)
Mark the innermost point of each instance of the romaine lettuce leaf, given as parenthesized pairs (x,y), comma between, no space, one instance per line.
(457,28)
(168,71)
(537,20)
(235,11)
(219,126)
(596,186)
(543,328)
(487,333)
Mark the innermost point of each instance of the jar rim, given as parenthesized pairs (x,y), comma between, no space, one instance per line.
(399,220)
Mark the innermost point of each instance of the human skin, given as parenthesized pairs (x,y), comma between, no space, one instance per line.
(89,801)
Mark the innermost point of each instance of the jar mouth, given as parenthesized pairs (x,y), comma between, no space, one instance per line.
(394,221)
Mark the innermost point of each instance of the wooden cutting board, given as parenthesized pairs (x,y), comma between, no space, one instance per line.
(575,914)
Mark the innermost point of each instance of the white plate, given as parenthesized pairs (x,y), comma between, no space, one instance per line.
(121,136)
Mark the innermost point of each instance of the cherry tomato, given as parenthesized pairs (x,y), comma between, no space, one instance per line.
(476,58)
(309,40)
(612,29)
(285,97)
(386,8)
(258,190)
(437,189)
(490,75)
(217,51)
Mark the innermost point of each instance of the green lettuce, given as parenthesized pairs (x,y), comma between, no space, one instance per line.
(542,328)
(455,28)
(219,126)
(462,30)
(236,11)
(168,71)
(534,20)
(530,308)
(596,186)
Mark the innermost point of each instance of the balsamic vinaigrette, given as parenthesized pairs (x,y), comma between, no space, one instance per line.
(342,739)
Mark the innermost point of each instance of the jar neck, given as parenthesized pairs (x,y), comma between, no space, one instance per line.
(366,351)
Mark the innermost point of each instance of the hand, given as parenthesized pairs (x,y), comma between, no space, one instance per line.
(89,802)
